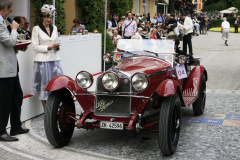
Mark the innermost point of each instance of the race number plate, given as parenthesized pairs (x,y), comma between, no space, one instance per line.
(181,72)
(111,125)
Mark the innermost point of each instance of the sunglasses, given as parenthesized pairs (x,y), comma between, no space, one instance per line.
(123,18)
(26,23)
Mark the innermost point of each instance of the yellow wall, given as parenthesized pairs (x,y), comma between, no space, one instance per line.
(151,7)
(71,13)
(32,17)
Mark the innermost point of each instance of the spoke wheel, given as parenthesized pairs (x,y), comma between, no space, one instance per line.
(58,127)
(169,124)
(199,104)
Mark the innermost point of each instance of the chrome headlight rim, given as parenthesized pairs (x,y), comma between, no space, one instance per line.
(117,79)
(109,57)
(182,56)
(148,81)
(91,76)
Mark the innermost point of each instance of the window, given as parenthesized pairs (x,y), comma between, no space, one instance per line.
(145,6)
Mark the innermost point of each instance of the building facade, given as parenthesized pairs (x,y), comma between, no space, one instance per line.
(25,8)
(149,6)
(198,5)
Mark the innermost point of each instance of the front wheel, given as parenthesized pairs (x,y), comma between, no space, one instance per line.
(169,124)
(58,127)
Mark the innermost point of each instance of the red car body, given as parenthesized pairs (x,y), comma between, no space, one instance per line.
(163,81)
(144,106)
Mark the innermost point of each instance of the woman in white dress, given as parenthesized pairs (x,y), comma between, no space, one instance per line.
(46,60)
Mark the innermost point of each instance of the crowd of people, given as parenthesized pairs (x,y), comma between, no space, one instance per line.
(158,27)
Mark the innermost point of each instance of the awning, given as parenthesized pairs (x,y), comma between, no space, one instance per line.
(231,10)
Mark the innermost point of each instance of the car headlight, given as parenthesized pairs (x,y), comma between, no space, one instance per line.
(140,81)
(182,59)
(110,81)
(107,57)
(84,79)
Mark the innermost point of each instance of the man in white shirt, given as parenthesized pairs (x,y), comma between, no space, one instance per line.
(225,30)
(188,30)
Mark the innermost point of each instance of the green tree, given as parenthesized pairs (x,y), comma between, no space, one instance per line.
(213,5)
(92,16)
(60,12)
(177,5)
(121,6)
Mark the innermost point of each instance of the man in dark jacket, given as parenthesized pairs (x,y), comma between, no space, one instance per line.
(114,22)
(21,23)
(170,24)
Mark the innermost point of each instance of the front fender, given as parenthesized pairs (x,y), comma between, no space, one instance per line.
(194,80)
(167,88)
(62,81)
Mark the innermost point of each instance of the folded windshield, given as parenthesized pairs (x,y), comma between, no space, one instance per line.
(163,49)
(154,46)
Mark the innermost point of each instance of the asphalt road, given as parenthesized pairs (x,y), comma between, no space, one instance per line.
(214,135)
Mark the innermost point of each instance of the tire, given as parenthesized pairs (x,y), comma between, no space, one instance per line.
(169,124)
(199,104)
(58,128)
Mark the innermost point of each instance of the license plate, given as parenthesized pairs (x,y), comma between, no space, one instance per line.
(111,125)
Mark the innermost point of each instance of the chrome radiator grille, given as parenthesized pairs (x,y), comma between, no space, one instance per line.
(113,106)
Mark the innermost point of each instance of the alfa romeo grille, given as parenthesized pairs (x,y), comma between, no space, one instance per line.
(114,106)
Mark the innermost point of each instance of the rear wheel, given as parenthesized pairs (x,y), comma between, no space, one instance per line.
(58,127)
(169,124)
(199,104)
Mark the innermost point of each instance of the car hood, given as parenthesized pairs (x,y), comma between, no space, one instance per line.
(144,64)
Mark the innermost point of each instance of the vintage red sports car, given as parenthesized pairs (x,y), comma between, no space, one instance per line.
(147,85)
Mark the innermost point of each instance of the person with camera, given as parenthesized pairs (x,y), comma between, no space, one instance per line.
(11,94)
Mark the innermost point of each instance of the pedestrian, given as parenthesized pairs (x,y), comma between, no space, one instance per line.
(47,63)
(116,36)
(200,19)
(158,32)
(187,38)
(77,25)
(205,24)
(11,94)
(114,22)
(209,23)
(129,27)
(171,24)
(120,25)
(225,30)
(153,34)
(236,24)
(159,18)
(149,19)
(25,29)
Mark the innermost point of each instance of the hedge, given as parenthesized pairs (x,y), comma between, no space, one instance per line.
(231,20)
(216,22)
